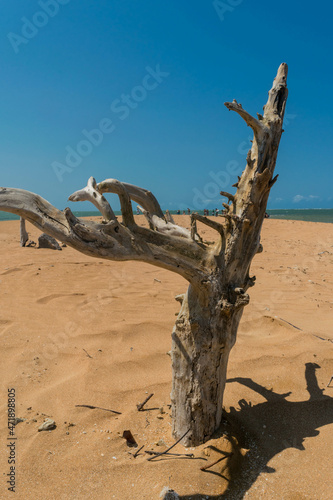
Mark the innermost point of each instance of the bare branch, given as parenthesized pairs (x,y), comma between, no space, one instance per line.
(228,195)
(119,188)
(211,223)
(90,193)
(139,195)
(36,210)
(160,225)
(258,128)
(112,240)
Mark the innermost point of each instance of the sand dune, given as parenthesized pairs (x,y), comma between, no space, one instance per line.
(81,331)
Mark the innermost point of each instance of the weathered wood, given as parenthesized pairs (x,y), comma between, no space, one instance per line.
(141,405)
(206,327)
(170,447)
(23,233)
(91,193)
(156,223)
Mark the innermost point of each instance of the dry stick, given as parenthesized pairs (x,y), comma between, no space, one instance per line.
(150,452)
(291,324)
(140,406)
(322,338)
(328,385)
(97,408)
(166,451)
(87,354)
(205,467)
(137,452)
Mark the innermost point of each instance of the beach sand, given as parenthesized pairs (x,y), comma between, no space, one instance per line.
(81,331)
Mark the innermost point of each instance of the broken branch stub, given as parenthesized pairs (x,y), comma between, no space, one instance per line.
(218,273)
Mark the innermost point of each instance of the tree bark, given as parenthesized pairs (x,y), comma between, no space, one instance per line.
(23,233)
(206,327)
(202,339)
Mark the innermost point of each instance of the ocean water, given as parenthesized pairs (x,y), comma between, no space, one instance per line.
(311,214)
(8,216)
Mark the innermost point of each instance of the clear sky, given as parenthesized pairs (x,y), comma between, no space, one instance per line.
(134,90)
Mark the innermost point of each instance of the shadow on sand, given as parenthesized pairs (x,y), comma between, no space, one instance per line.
(268,429)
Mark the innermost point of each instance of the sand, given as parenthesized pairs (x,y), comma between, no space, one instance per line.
(81,331)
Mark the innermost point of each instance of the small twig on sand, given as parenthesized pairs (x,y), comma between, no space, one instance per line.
(87,354)
(140,406)
(329,384)
(205,467)
(291,324)
(137,452)
(150,452)
(322,338)
(97,408)
(166,451)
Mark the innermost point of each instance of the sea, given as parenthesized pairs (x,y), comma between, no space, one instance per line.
(310,214)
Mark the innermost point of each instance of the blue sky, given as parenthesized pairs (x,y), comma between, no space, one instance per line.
(135,90)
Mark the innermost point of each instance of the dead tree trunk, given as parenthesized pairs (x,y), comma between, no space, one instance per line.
(219,278)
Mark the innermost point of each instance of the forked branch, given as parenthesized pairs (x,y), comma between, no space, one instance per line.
(172,249)
(91,193)
(166,244)
(139,195)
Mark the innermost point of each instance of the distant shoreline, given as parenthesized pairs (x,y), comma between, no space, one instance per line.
(324,215)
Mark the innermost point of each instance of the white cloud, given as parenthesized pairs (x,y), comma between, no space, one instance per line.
(299,197)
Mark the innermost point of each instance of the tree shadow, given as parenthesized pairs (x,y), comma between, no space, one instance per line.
(268,429)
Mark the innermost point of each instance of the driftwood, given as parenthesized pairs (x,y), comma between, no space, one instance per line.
(23,233)
(97,408)
(183,455)
(141,405)
(218,274)
(170,447)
